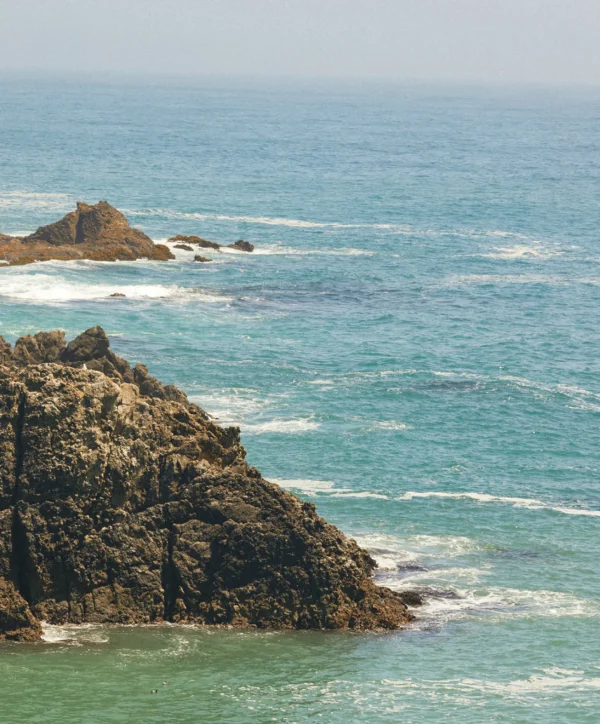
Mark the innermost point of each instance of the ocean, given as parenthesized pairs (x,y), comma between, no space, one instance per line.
(413,347)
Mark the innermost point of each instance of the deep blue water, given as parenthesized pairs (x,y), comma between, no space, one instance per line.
(413,346)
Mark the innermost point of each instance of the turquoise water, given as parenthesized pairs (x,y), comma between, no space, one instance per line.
(413,346)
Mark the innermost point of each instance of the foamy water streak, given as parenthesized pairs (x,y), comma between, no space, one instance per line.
(74,634)
(33,201)
(41,287)
(529,503)
(285,427)
(522,251)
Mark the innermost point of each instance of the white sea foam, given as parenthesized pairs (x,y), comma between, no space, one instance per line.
(523,251)
(355,494)
(579,396)
(262,220)
(286,427)
(74,634)
(459,280)
(393,552)
(310,487)
(498,604)
(232,406)
(529,503)
(41,287)
(389,425)
(550,680)
(32,201)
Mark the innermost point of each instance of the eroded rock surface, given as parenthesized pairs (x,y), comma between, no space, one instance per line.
(122,502)
(98,232)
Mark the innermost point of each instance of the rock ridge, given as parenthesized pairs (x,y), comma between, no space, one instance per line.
(122,502)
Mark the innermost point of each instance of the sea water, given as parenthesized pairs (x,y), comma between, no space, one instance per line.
(413,347)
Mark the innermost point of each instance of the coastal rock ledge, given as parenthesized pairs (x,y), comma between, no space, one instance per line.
(122,502)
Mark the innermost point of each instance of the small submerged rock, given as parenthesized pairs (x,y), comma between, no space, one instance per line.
(183,247)
(201,258)
(117,294)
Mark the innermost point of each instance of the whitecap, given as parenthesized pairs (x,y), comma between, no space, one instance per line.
(41,287)
(522,251)
(497,604)
(393,552)
(363,494)
(389,425)
(231,406)
(528,503)
(310,487)
(459,280)
(74,634)
(35,201)
(286,427)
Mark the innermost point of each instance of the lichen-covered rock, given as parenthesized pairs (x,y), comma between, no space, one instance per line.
(98,232)
(122,502)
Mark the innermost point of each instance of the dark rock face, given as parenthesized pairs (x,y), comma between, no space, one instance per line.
(99,232)
(122,502)
(196,241)
(17,623)
(183,247)
(201,258)
(242,245)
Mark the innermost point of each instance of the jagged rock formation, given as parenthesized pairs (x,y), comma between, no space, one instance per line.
(122,502)
(98,232)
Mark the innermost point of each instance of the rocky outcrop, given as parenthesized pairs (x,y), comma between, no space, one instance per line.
(201,258)
(242,245)
(195,241)
(98,232)
(122,502)
(17,623)
(183,242)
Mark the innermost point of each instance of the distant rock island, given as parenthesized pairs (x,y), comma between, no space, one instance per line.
(98,232)
(122,502)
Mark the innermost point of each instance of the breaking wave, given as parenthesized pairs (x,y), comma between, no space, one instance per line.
(40,287)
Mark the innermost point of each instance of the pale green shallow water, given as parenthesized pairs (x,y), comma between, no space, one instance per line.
(414,348)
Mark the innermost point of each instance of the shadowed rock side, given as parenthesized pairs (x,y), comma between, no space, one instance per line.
(122,502)
(99,232)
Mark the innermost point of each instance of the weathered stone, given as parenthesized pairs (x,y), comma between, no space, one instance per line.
(122,502)
(201,258)
(17,623)
(242,245)
(98,232)
(196,240)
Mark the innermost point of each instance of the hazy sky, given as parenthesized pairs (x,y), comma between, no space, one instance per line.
(481,40)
